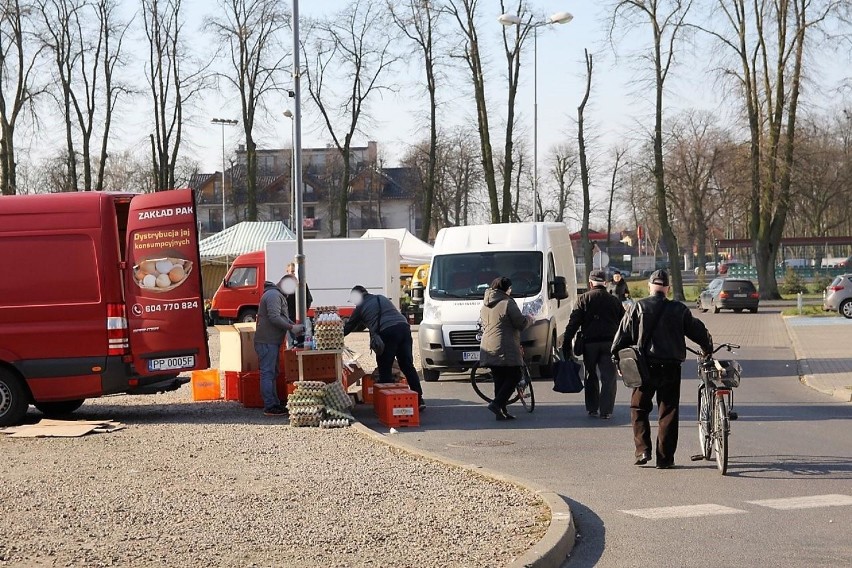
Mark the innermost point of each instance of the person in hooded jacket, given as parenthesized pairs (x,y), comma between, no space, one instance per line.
(618,287)
(500,348)
(597,314)
(272,326)
(378,314)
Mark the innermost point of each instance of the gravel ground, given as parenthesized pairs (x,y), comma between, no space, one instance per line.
(213,484)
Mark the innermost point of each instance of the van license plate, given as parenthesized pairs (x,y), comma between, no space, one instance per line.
(470,356)
(172,363)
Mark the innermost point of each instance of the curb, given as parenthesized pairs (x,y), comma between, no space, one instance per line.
(809,379)
(555,546)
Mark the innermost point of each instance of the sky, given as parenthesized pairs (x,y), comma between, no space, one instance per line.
(619,111)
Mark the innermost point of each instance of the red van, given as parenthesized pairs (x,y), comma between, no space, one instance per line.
(101,294)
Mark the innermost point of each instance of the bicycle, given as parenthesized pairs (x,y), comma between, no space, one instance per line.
(715,405)
(524,390)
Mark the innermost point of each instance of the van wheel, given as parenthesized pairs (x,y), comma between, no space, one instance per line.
(247,316)
(60,408)
(431,375)
(13,398)
(546,371)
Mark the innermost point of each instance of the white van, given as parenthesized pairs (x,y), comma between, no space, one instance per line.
(537,257)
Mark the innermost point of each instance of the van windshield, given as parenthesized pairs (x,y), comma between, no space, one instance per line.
(243,276)
(468,275)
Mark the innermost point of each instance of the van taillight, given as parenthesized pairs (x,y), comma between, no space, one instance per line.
(118,337)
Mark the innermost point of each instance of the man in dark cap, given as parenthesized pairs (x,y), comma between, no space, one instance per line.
(660,326)
(597,315)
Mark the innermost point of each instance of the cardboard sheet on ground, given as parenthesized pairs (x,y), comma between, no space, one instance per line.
(47,428)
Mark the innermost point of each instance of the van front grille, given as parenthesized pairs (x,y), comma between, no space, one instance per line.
(469,337)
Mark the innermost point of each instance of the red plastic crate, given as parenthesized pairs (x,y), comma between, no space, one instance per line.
(288,363)
(232,385)
(397,408)
(250,389)
(321,367)
(368,384)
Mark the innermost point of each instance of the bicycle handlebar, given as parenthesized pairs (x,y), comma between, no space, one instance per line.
(728,346)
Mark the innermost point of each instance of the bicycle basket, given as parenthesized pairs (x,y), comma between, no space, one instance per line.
(728,374)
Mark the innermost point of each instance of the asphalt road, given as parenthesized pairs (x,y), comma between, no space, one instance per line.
(789,443)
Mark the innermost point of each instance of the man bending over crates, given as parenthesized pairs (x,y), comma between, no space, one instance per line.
(390,336)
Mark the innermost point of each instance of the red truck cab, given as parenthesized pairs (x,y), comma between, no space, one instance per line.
(102,295)
(238,295)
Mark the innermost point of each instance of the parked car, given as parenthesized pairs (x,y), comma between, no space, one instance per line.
(838,296)
(736,294)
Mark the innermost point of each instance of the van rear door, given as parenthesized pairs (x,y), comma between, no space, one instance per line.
(163,300)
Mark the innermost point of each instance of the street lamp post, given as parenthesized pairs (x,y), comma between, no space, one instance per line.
(289,114)
(301,305)
(223,122)
(515,20)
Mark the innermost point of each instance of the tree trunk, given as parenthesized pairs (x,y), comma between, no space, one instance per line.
(251,177)
(585,243)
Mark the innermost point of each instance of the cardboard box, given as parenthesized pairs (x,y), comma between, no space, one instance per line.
(236,347)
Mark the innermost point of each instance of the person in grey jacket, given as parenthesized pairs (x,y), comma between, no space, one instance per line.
(378,314)
(272,327)
(500,348)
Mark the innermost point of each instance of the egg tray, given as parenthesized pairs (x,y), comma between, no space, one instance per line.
(309,385)
(307,410)
(338,414)
(334,423)
(183,263)
(305,420)
(336,396)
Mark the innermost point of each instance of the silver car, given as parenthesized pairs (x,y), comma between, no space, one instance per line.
(838,296)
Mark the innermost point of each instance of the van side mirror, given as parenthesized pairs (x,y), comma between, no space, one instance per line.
(558,288)
(225,283)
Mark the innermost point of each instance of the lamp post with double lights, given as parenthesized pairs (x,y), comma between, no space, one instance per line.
(223,122)
(515,20)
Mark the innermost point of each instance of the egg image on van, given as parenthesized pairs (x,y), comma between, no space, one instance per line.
(177,274)
(164,266)
(149,281)
(163,281)
(148,267)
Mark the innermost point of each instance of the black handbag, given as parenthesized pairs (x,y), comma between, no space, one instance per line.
(377,344)
(632,361)
(566,377)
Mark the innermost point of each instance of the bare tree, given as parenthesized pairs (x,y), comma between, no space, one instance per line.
(617,155)
(353,49)
(768,42)
(249,34)
(564,171)
(86,39)
(465,14)
(19,54)
(585,243)
(666,20)
(419,20)
(173,80)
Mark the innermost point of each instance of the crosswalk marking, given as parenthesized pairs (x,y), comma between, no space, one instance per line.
(684,512)
(810,502)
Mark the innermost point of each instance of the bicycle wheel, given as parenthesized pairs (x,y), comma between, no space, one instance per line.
(705,422)
(482,380)
(525,390)
(720,435)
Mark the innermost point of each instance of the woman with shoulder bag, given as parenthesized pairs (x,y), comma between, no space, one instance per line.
(500,349)
(390,336)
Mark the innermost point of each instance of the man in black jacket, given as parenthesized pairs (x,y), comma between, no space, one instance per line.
(597,314)
(661,326)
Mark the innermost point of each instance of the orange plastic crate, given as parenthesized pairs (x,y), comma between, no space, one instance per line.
(205,385)
(250,390)
(232,385)
(397,408)
(367,387)
(379,390)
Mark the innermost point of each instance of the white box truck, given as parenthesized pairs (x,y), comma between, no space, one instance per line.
(334,266)
(537,257)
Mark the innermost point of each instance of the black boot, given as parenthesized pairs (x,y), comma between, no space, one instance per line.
(506,414)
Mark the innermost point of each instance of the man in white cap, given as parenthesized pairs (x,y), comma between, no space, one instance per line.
(661,326)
